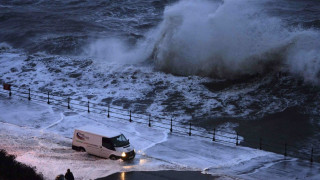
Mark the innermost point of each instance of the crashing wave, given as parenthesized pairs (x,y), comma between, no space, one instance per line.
(221,39)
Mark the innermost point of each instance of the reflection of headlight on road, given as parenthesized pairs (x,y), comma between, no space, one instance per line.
(123,154)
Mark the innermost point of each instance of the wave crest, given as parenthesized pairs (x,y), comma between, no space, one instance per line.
(226,39)
(231,39)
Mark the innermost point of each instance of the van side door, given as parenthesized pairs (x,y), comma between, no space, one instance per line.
(107,147)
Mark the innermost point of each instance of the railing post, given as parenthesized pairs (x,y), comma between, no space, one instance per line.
(237,143)
(68,102)
(171,125)
(285,149)
(214,134)
(88,107)
(29,97)
(149,120)
(190,130)
(48,98)
(311,158)
(260,143)
(108,111)
(130,120)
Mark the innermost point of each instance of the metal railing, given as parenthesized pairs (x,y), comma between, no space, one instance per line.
(174,126)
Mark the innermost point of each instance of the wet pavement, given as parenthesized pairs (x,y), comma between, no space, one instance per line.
(160,175)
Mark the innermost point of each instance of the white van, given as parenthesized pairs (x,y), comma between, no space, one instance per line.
(106,143)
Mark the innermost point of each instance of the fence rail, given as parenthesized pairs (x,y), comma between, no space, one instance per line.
(174,126)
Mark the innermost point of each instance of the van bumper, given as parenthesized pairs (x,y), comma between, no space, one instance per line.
(129,155)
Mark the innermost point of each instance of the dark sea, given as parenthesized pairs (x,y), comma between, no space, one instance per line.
(246,66)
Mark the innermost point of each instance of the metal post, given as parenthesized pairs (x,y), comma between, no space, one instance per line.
(311,159)
(48,99)
(88,107)
(190,130)
(68,102)
(149,120)
(108,111)
(260,144)
(10,93)
(237,140)
(29,98)
(130,120)
(171,125)
(285,149)
(214,134)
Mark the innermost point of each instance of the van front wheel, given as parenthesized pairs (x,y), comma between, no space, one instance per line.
(113,157)
(81,149)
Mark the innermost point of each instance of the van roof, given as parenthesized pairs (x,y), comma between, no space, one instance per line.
(107,132)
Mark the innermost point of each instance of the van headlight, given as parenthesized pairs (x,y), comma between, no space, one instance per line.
(123,154)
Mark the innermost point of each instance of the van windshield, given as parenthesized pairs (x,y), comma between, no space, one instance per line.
(119,141)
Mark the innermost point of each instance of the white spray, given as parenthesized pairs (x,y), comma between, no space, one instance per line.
(221,39)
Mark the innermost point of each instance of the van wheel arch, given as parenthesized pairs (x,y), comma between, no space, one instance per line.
(113,157)
(82,149)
